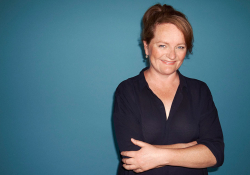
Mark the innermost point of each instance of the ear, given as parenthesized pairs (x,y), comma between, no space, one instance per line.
(145,47)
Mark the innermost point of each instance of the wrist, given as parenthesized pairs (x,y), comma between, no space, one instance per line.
(165,156)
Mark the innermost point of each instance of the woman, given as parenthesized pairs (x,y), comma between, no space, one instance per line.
(166,123)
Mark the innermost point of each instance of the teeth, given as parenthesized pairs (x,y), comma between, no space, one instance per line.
(168,61)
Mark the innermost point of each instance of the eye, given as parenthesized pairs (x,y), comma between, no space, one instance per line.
(181,47)
(162,46)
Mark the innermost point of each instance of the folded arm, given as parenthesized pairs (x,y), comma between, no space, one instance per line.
(150,156)
(178,145)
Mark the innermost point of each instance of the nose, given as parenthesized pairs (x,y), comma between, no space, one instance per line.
(172,54)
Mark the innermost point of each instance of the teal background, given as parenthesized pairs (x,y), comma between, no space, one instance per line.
(61,61)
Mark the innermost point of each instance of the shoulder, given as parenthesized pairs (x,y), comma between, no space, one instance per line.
(127,86)
(126,96)
(200,94)
(192,82)
(126,90)
(196,86)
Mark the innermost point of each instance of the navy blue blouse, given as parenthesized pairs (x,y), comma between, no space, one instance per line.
(140,114)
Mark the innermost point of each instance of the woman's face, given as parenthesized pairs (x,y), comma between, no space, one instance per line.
(166,50)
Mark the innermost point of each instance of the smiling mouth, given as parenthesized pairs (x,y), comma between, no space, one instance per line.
(168,62)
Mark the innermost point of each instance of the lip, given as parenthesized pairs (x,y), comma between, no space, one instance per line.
(168,62)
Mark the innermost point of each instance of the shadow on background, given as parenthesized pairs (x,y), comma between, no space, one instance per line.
(210,170)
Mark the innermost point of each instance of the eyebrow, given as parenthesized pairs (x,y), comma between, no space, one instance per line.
(168,43)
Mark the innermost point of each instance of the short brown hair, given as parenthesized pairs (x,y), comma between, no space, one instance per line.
(160,14)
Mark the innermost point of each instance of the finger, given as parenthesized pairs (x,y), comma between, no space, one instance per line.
(124,161)
(130,161)
(128,153)
(193,143)
(129,167)
(138,142)
(138,170)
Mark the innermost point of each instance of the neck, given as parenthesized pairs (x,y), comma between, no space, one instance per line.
(161,79)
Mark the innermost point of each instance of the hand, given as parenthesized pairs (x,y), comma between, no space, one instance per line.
(148,157)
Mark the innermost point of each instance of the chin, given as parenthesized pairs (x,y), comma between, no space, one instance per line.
(168,72)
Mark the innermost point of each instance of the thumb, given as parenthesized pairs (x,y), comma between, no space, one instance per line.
(138,142)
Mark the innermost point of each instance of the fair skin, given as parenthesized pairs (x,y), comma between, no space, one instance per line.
(167,51)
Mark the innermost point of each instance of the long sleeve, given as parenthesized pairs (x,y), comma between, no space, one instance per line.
(126,117)
(210,129)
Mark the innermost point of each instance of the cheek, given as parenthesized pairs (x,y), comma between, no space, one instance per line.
(182,56)
(156,53)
